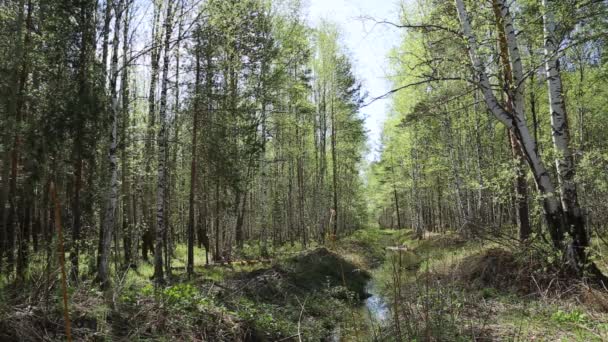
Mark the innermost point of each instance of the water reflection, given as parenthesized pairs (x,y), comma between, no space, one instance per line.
(376,306)
(375,311)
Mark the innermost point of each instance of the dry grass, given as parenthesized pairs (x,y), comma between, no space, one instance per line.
(484,292)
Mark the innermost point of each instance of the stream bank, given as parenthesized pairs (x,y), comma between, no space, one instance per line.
(369,248)
(299,295)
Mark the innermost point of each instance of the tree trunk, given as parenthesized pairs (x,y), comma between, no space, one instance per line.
(514,94)
(109,219)
(105,40)
(203,233)
(75,252)
(3,209)
(16,104)
(127,204)
(217,254)
(521,190)
(516,121)
(334,161)
(240,215)
(575,223)
(397,207)
(193,180)
(162,154)
(148,236)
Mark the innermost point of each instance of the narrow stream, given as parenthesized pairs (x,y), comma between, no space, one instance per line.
(376,307)
(374,311)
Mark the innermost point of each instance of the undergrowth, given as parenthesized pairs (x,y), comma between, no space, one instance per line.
(295,295)
(446,288)
(441,288)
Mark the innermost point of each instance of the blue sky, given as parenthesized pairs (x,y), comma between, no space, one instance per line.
(368,46)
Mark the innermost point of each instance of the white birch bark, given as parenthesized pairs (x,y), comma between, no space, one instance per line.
(515,121)
(110,211)
(559,122)
(484,82)
(162,155)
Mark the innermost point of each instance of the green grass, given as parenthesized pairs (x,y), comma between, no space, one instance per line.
(449,307)
(367,247)
(181,256)
(526,320)
(222,297)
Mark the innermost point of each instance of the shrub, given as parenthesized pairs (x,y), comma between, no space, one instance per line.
(574,316)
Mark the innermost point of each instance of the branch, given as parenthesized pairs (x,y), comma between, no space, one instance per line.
(419,26)
(428,80)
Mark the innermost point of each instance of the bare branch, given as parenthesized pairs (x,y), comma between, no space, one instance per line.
(428,80)
(425,27)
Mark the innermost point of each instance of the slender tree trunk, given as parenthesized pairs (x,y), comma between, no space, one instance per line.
(16,104)
(334,160)
(23,234)
(397,207)
(521,190)
(561,142)
(127,203)
(3,209)
(218,252)
(322,163)
(86,43)
(516,121)
(109,219)
(481,213)
(513,94)
(193,179)
(148,236)
(203,232)
(162,153)
(301,202)
(77,216)
(238,231)
(204,217)
(36,224)
(581,107)
(463,215)
(290,212)
(171,202)
(396,197)
(10,174)
(107,18)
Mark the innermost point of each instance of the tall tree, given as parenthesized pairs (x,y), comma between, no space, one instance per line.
(109,219)
(160,233)
(514,93)
(193,178)
(573,216)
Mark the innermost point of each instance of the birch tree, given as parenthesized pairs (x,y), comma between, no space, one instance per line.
(560,133)
(561,218)
(109,220)
(160,232)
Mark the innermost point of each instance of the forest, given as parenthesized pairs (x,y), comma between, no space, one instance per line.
(202,170)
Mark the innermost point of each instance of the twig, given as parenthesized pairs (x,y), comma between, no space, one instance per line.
(288,337)
(409,85)
(419,26)
(300,318)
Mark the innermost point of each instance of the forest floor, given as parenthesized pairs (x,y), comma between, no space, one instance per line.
(296,294)
(453,289)
(447,289)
